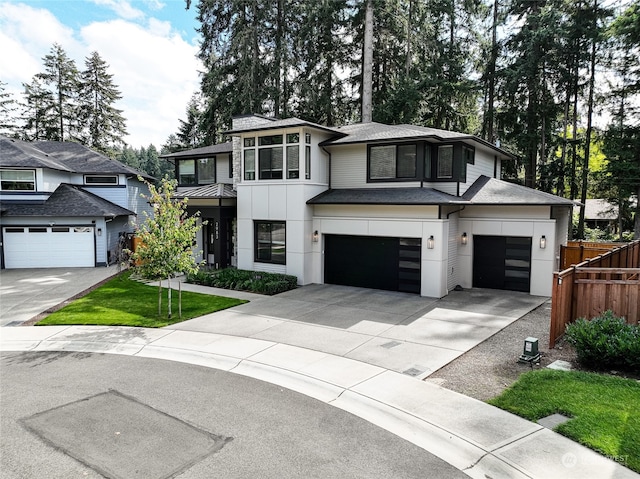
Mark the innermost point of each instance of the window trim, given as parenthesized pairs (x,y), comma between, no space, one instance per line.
(33,172)
(256,224)
(285,139)
(459,164)
(397,178)
(196,171)
(101,183)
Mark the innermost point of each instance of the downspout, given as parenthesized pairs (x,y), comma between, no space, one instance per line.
(456,211)
(495,166)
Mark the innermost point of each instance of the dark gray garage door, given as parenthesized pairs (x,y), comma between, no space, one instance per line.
(502,262)
(391,264)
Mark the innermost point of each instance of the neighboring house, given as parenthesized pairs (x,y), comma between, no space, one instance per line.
(205,177)
(600,214)
(403,208)
(64,205)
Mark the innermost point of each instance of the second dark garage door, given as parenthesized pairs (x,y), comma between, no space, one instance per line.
(391,264)
(502,262)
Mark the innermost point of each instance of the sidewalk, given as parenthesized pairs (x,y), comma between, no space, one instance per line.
(476,438)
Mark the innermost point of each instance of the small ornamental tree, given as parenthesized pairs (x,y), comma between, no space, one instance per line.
(166,240)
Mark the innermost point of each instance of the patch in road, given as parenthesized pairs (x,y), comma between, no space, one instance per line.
(122,438)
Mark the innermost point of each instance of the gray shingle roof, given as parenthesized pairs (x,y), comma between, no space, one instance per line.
(21,154)
(217,190)
(491,191)
(385,196)
(203,152)
(285,123)
(485,191)
(80,159)
(66,200)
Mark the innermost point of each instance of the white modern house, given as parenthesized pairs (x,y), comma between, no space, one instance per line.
(403,208)
(64,205)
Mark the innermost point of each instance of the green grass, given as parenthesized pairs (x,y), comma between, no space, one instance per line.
(124,302)
(605,409)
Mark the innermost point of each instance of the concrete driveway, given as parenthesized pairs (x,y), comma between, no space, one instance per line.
(397,331)
(25,293)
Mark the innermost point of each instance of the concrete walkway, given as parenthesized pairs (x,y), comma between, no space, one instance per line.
(334,363)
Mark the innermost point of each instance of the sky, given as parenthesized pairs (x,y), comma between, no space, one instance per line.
(149,45)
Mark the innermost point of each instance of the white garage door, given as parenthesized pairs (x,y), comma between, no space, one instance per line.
(48,246)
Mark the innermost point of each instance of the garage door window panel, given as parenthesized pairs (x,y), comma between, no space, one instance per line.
(18,180)
(270,242)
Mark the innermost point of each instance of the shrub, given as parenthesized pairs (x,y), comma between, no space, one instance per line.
(244,280)
(606,342)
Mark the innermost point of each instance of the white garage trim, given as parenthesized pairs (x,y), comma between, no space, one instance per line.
(48,246)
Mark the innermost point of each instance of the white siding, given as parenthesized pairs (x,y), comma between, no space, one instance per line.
(117,195)
(223,174)
(49,180)
(483,166)
(135,200)
(378,211)
(454,244)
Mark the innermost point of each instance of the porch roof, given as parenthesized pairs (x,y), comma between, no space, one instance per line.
(203,152)
(215,191)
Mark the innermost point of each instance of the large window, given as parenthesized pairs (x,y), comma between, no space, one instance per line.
(447,162)
(187,172)
(197,172)
(392,162)
(100,180)
(275,157)
(18,180)
(270,242)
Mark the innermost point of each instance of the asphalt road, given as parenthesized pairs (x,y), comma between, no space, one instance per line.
(67,415)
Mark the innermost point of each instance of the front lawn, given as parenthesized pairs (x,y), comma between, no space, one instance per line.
(605,409)
(125,302)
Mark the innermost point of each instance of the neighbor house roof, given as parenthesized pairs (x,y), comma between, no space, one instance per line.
(21,154)
(66,200)
(203,152)
(599,209)
(81,159)
(484,191)
(217,190)
(275,124)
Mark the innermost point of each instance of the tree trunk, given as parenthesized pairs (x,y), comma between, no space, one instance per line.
(160,298)
(180,299)
(367,65)
(587,145)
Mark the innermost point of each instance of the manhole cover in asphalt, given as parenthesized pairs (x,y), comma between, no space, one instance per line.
(122,438)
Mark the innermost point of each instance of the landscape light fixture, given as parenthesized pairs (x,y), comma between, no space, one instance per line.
(464,238)
(431,242)
(315,236)
(543,242)
(530,353)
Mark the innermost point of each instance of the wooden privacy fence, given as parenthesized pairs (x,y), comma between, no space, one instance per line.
(609,281)
(575,252)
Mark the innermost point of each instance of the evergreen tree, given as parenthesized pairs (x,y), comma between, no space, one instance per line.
(189,135)
(39,116)
(103,125)
(8,109)
(61,76)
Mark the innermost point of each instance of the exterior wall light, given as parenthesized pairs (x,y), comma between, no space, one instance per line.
(543,242)
(464,238)
(530,353)
(99,231)
(431,242)
(315,236)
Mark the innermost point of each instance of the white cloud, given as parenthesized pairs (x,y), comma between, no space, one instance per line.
(122,8)
(154,68)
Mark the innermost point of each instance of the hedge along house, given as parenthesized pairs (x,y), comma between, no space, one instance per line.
(403,208)
(64,205)
(205,177)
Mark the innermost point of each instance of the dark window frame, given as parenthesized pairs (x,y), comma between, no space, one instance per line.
(196,172)
(256,241)
(33,182)
(396,178)
(101,177)
(459,166)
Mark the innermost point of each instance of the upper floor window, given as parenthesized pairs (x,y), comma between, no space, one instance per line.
(100,179)
(275,157)
(391,162)
(196,172)
(447,162)
(18,180)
